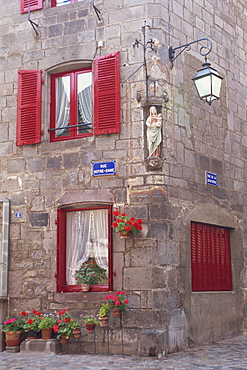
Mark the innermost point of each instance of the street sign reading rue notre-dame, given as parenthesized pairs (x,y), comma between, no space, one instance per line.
(104,168)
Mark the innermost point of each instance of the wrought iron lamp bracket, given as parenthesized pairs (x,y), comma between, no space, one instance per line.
(204,50)
(33,24)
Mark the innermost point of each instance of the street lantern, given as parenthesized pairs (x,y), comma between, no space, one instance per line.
(208,83)
(207,80)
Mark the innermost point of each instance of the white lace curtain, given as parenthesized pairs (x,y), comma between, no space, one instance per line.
(86,229)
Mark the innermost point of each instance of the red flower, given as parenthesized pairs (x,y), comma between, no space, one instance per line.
(23,313)
(139,221)
(129,223)
(30,321)
(38,313)
(117,303)
(139,227)
(58,321)
(127,228)
(126,301)
(67,320)
(34,311)
(115,224)
(116,213)
(122,293)
(132,219)
(124,214)
(55,328)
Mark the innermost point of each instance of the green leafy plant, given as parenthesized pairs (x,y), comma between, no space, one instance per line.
(12,324)
(46,322)
(125,223)
(104,310)
(32,323)
(65,324)
(90,318)
(117,300)
(90,273)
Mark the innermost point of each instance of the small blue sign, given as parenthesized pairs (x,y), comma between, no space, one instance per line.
(104,168)
(18,214)
(211,179)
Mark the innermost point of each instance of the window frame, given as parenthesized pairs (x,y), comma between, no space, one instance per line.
(53,3)
(73,105)
(62,286)
(211,261)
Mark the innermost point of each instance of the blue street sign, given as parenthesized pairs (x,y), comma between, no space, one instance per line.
(104,168)
(211,179)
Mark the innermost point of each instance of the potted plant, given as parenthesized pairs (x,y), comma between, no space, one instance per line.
(76,329)
(46,325)
(90,321)
(31,325)
(89,274)
(103,314)
(65,326)
(117,302)
(12,328)
(126,225)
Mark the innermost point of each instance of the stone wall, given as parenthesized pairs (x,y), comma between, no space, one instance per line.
(153,267)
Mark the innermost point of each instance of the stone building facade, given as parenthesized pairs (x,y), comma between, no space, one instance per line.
(167,192)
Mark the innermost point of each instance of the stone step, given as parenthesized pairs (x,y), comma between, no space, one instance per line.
(48,346)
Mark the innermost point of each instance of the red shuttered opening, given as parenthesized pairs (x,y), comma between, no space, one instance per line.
(107,94)
(210,258)
(34,5)
(28,107)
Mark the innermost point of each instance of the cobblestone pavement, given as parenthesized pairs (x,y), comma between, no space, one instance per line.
(228,354)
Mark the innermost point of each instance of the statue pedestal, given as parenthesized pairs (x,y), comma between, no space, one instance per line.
(154,163)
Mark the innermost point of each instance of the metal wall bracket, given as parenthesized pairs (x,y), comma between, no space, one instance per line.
(33,24)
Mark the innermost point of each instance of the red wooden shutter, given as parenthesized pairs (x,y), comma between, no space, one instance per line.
(210,258)
(107,94)
(61,250)
(28,107)
(34,5)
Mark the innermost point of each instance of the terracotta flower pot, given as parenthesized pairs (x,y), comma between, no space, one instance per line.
(76,333)
(13,338)
(31,334)
(85,287)
(124,236)
(103,321)
(64,340)
(90,328)
(46,333)
(116,312)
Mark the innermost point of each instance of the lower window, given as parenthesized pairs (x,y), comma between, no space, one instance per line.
(210,258)
(84,238)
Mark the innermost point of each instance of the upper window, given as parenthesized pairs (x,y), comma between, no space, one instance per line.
(83,236)
(210,258)
(71,105)
(63,2)
(72,102)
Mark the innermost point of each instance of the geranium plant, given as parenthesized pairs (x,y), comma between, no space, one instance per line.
(46,322)
(117,300)
(65,324)
(32,323)
(90,318)
(12,324)
(90,273)
(125,223)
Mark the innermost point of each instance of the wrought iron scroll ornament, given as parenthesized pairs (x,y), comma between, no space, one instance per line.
(152,44)
(204,50)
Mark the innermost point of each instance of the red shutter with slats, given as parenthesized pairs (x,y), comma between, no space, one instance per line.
(34,5)
(61,250)
(107,94)
(210,258)
(29,107)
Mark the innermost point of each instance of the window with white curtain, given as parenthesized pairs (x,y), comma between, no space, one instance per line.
(84,235)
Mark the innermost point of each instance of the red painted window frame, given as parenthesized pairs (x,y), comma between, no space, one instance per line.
(61,252)
(210,258)
(28,125)
(73,105)
(54,3)
(34,5)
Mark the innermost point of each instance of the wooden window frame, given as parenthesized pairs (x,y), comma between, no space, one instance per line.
(210,258)
(62,286)
(73,105)
(54,3)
